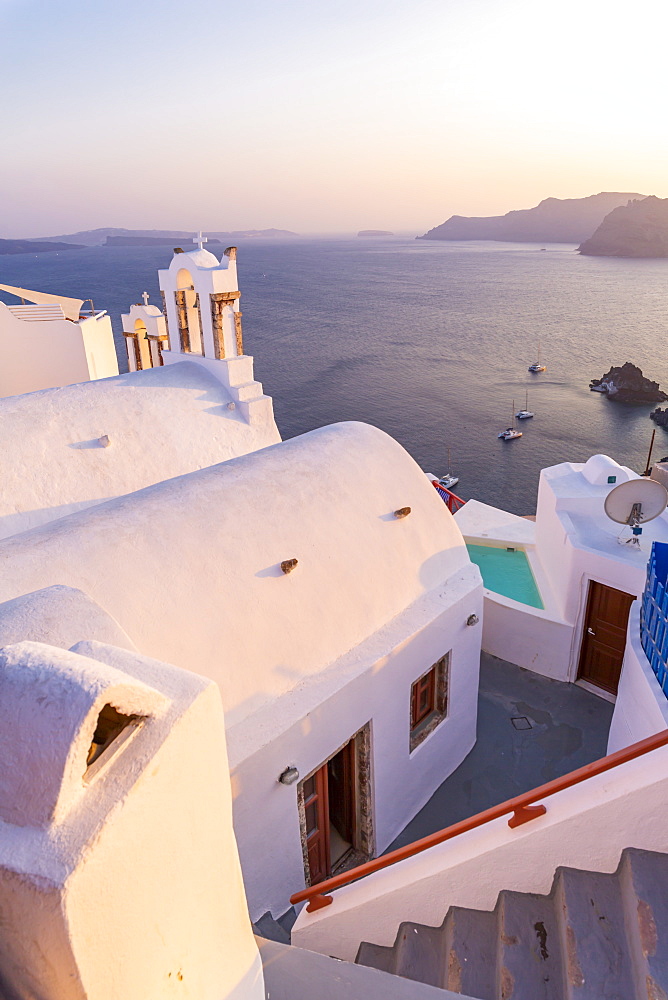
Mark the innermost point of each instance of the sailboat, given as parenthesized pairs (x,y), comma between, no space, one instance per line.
(448,480)
(511,432)
(537,367)
(526,412)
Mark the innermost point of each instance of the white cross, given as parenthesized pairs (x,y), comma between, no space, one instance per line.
(145,297)
(200,240)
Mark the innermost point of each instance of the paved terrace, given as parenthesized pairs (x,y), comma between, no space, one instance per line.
(530,730)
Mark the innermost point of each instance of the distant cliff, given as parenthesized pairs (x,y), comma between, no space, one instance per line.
(638,229)
(31,246)
(554,220)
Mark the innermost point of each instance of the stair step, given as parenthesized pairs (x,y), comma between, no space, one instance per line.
(530,954)
(470,952)
(644,876)
(376,956)
(419,953)
(597,961)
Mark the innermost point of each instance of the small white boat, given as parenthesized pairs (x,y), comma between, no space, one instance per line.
(526,412)
(448,480)
(537,366)
(511,432)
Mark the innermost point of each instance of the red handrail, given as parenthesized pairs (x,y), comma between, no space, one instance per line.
(522,807)
(451,499)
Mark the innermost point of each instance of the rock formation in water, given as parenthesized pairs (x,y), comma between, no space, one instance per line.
(375,232)
(628,385)
(661,418)
(638,229)
(554,220)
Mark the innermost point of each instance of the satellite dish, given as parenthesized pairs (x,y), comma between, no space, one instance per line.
(635,502)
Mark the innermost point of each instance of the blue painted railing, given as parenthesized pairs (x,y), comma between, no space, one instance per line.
(654,614)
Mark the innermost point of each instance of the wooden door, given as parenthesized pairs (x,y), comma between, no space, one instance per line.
(604,636)
(316,808)
(341,774)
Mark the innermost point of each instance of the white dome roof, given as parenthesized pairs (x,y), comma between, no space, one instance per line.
(599,470)
(195,258)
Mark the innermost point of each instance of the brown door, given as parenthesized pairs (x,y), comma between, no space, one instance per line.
(604,636)
(316,809)
(341,779)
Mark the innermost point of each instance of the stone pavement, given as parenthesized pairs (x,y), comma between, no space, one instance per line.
(557,728)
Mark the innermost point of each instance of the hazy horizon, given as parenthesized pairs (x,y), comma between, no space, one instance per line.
(366,115)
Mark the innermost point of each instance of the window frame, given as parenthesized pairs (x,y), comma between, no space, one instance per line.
(423,721)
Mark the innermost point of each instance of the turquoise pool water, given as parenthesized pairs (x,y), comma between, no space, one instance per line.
(506,573)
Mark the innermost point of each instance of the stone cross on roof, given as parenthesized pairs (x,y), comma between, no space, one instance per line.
(200,240)
(145,297)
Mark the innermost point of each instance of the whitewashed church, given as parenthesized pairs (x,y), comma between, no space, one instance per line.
(233,668)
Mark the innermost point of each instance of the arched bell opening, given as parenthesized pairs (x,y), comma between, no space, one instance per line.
(188,314)
(141,346)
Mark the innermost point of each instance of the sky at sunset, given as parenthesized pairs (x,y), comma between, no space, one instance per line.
(320,116)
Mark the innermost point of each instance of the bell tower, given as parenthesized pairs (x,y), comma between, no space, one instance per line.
(203,322)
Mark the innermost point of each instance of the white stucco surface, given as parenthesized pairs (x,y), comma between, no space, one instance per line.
(58,616)
(53,352)
(191,570)
(128,887)
(586,826)
(161,423)
(219,535)
(571,544)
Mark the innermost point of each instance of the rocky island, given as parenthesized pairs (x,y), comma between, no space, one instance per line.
(35,246)
(554,220)
(627,384)
(637,229)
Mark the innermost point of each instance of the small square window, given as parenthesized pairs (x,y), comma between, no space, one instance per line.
(429,701)
(612,479)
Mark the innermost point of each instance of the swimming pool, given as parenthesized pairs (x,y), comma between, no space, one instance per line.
(507,572)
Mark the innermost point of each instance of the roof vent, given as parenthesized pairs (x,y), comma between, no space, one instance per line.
(112,731)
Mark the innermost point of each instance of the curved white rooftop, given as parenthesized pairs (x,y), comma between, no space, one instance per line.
(161,422)
(601,470)
(58,616)
(190,568)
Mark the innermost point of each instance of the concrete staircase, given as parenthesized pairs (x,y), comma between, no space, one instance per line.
(594,937)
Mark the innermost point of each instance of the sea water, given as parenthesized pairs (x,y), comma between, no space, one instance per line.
(430,341)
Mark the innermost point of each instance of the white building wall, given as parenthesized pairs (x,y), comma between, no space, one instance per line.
(400,782)
(49,353)
(124,885)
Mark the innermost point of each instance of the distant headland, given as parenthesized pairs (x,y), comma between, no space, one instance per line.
(132,237)
(637,229)
(554,220)
(35,246)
